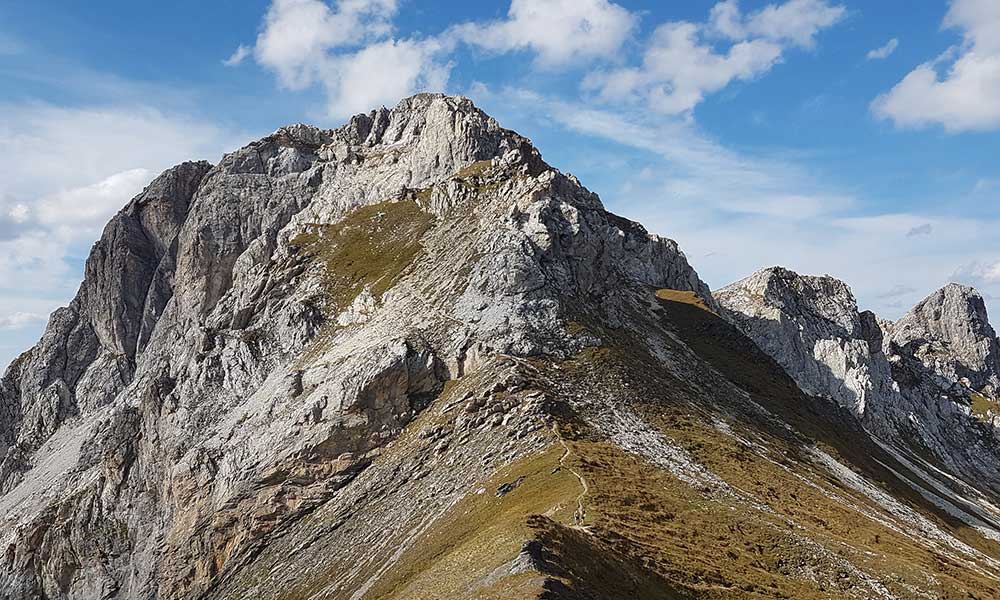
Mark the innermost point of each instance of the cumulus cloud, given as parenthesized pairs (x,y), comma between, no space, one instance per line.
(298,35)
(959,90)
(682,63)
(678,70)
(978,273)
(559,32)
(349,50)
(796,22)
(382,73)
(884,51)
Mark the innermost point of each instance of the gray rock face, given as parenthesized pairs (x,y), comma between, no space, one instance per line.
(950,334)
(88,352)
(249,336)
(285,372)
(920,383)
(812,327)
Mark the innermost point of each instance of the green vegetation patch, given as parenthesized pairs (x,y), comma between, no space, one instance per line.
(983,406)
(370,247)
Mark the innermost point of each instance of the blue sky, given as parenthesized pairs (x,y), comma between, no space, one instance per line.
(858,139)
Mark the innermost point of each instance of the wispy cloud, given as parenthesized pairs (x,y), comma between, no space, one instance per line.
(700,171)
(924,229)
(896,291)
(883,52)
(238,56)
(19,320)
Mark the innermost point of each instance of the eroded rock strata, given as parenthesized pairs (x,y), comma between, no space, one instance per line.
(406,358)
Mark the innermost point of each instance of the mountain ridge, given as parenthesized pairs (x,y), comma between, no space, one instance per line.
(408,358)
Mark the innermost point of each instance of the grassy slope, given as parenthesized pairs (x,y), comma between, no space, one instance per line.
(649,534)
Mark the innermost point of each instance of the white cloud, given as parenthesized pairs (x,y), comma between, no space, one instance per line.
(965,94)
(678,70)
(73,215)
(381,73)
(979,273)
(298,34)
(796,22)
(559,32)
(19,320)
(80,213)
(50,148)
(883,51)
(682,63)
(348,48)
(238,56)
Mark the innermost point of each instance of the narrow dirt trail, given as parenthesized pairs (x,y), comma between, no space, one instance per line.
(581,513)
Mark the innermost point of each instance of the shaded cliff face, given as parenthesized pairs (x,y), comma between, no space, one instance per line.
(407,358)
(812,327)
(925,385)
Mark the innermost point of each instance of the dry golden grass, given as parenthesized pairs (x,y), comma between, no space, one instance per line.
(682,296)
(482,533)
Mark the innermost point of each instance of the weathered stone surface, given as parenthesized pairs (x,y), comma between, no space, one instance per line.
(219,391)
(288,374)
(950,334)
(913,382)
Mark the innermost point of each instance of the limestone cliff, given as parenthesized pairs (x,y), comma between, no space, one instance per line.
(407,358)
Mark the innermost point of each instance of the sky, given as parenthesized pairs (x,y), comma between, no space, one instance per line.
(844,137)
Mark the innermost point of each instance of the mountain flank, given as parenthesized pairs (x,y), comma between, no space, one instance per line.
(407,358)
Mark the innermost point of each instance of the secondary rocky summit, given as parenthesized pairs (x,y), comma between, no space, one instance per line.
(406,358)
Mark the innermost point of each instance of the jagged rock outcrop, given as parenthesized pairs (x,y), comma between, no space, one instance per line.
(812,327)
(88,352)
(950,334)
(922,384)
(308,372)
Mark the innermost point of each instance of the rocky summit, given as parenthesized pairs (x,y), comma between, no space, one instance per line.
(407,358)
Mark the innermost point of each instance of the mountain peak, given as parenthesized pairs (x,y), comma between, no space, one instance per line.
(407,358)
(781,289)
(949,331)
